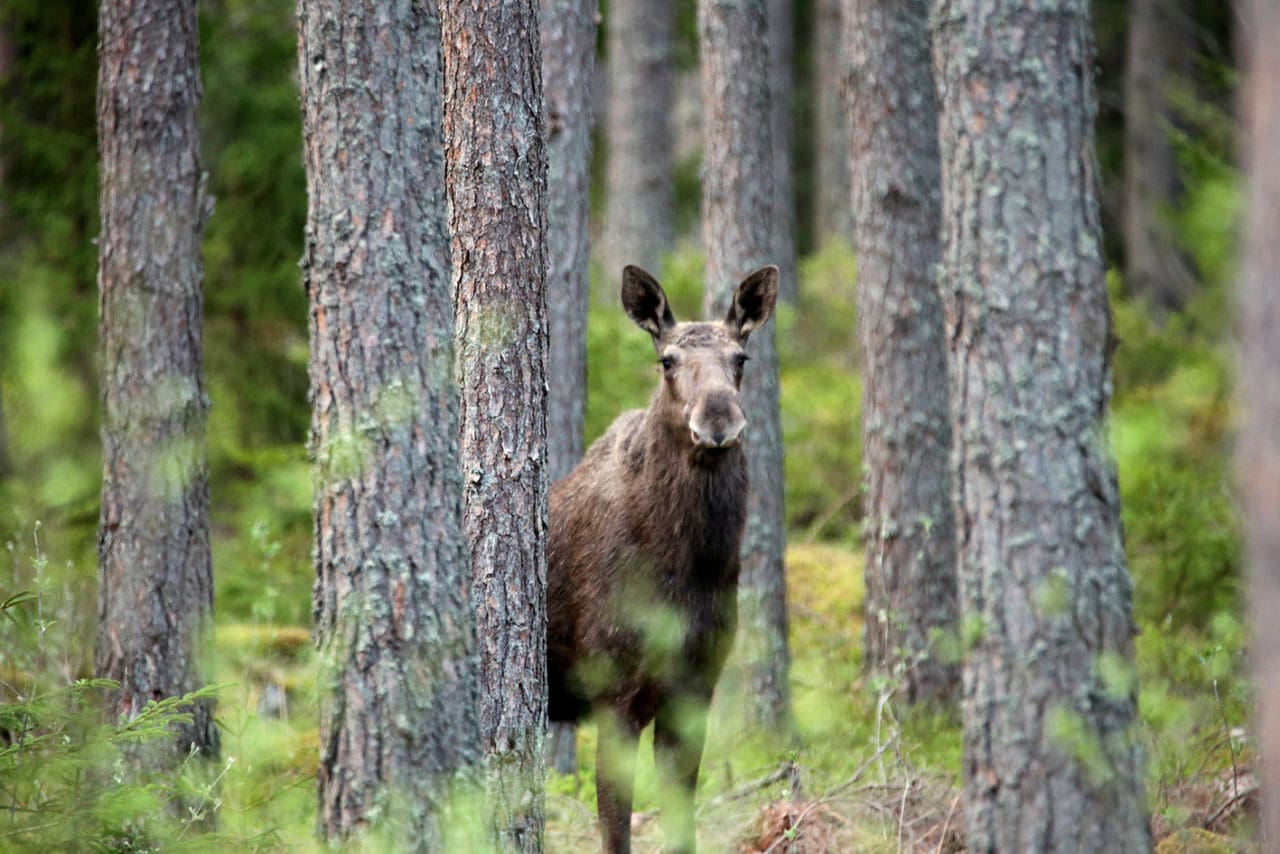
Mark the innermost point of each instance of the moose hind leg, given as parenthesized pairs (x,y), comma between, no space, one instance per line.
(615,777)
(679,732)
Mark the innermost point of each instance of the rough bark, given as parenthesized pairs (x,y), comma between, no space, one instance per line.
(568,74)
(497,162)
(1258,310)
(1158,51)
(906,430)
(737,206)
(639,193)
(1052,759)
(781,35)
(832,216)
(393,624)
(155,580)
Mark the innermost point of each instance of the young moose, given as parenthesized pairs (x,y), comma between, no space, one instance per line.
(643,557)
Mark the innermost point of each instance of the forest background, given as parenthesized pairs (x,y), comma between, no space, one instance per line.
(1171,432)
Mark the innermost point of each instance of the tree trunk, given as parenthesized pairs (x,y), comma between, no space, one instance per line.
(1159,46)
(1052,755)
(639,193)
(155,581)
(906,430)
(1258,453)
(737,209)
(568,74)
(393,624)
(781,35)
(497,162)
(832,216)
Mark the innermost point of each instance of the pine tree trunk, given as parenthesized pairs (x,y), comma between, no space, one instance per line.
(393,624)
(781,34)
(639,193)
(155,580)
(1052,755)
(497,162)
(1155,267)
(1258,452)
(568,74)
(832,214)
(906,430)
(737,205)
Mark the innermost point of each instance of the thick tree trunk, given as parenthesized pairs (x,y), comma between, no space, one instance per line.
(781,35)
(906,430)
(1259,323)
(1158,52)
(832,216)
(393,624)
(155,581)
(1052,756)
(568,74)
(639,194)
(497,162)
(737,207)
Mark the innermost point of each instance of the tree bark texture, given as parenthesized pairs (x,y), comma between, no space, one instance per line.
(1258,307)
(497,163)
(832,215)
(393,621)
(1052,759)
(737,208)
(640,195)
(155,580)
(568,73)
(781,35)
(906,429)
(1159,49)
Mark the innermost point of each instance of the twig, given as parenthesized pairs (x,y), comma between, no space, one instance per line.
(783,838)
(1231,742)
(902,810)
(864,767)
(946,824)
(784,770)
(1231,802)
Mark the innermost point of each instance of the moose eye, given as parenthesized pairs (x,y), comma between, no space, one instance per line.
(667,362)
(739,360)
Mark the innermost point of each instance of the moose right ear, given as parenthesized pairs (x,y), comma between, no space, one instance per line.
(645,302)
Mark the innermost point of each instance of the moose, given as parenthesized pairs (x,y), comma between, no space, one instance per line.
(643,564)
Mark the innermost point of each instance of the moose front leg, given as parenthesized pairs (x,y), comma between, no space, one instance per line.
(679,732)
(615,777)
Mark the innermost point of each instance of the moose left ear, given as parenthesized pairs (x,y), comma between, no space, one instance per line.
(753,301)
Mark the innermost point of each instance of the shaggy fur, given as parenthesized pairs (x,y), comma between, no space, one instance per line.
(643,555)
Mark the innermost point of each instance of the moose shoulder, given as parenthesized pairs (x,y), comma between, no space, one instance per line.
(643,556)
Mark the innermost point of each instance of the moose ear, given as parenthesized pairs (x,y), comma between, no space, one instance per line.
(645,302)
(753,302)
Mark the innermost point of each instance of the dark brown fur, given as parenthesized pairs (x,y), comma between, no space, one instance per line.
(643,557)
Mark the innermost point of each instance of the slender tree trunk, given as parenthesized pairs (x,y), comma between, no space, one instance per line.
(6,462)
(155,580)
(1052,755)
(568,74)
(1259,323)
(393,623)
(737,208)
(1159,48)
(497,162)
(906,430)
(832,216)
(781,35)
(638,227)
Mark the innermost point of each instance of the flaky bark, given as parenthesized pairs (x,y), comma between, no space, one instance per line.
(155,581)
(1158,51)
(639,194)
(568,72)
(1052,760)
(781,36)
(1258,310)
(497,165)
(393,624)
(906,431)
(737,204)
